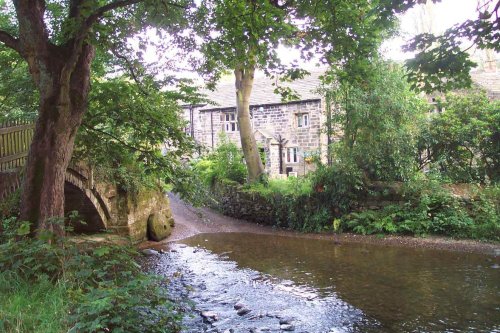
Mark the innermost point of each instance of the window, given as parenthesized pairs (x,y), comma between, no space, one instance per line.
(303,120)
(292,155)
(229,122)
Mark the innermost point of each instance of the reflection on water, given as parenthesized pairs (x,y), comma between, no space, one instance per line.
(405,290)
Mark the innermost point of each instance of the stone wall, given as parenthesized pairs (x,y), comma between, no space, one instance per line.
(9,182)
(232,201)
(139,209)
(130,213)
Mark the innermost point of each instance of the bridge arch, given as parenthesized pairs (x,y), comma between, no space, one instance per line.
(81,195)
(80,190)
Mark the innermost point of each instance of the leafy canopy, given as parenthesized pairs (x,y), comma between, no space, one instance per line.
(441,62)
(380,121)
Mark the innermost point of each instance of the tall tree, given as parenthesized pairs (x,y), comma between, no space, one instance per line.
(242,36)
(58,41)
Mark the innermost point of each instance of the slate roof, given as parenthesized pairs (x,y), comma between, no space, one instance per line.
(489,81)
(263,92)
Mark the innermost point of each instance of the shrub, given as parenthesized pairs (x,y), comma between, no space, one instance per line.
(340,185)
(462,141)
(431,209)
(104,287)
(225,163)
(296,186)
(10,205)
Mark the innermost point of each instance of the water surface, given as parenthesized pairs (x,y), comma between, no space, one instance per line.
(396,289)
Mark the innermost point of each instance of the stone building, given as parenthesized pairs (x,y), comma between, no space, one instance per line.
(290,134)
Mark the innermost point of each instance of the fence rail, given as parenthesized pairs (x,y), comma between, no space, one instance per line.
(15,140)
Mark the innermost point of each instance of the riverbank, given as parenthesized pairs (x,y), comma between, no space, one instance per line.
(244,277)
(190,221)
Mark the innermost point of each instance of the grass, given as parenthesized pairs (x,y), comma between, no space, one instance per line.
(27,306)
(289,186)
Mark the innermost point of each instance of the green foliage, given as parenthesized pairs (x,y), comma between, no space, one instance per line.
(381,121)
(441,63)
(345,34)
(431,209)
(18,95)
(464,139)
(298,186)
(27,306)
(114,295)
(225,163)
(101,287)
(340,185)
(133,135)
(370,222)
(10,205)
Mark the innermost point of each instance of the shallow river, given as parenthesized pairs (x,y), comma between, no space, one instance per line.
(319,286)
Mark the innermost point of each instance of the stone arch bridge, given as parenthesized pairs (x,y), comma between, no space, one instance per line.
(101,205)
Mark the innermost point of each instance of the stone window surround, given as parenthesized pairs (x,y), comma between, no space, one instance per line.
(291,159)
(302,119)
(229,122)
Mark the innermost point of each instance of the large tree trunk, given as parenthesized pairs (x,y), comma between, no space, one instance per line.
(63,101)
(244,82)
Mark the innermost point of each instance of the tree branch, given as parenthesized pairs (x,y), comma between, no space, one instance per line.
(120,141)
(131,69)
(84,30)
(10,41)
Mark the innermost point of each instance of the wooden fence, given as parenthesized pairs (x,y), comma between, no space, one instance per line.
(15,140)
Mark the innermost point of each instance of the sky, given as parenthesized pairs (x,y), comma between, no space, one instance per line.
(445,14)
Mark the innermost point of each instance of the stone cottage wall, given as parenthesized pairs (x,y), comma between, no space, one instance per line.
(272,120)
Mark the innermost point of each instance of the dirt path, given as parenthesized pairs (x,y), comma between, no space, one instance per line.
(190,221)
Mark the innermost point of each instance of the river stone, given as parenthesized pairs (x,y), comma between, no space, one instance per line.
(149,252)
(171,221)
(287,327)
(210,315)
(286,320)
(239,305)
(158,227)
(243,311)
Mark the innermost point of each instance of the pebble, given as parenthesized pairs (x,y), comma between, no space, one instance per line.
(287,327)
(286,321)
(149,252)
(243,311)
(210,315)
(238,306)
